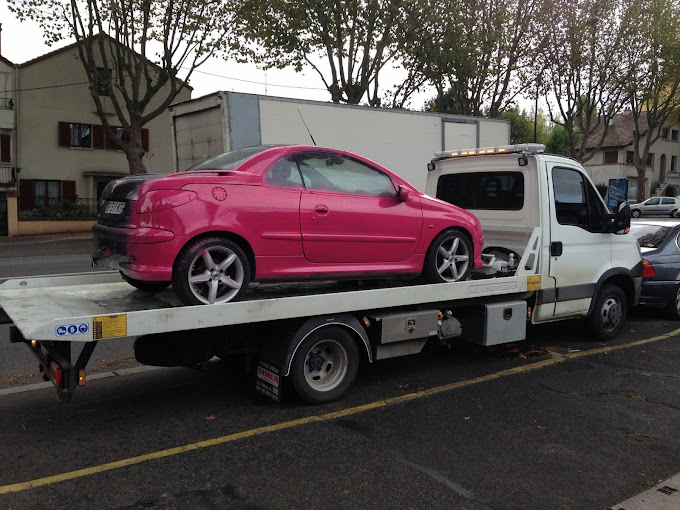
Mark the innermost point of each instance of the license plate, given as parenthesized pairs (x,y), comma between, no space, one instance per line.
(114,208)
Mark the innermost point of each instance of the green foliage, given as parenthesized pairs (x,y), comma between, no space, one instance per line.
(65,209)
(521,125)
(354,38)
(558,142)
(602,188)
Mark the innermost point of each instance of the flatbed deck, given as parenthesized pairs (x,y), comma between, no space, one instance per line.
(101,305)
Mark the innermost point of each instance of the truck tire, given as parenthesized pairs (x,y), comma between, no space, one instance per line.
(325,365)
(609,313)
(449,258)
(210,270)
(148,286)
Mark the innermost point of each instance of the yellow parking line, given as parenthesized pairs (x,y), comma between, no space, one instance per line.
(48,480)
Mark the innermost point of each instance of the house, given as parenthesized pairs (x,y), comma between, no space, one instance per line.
(614,160)
(57,148)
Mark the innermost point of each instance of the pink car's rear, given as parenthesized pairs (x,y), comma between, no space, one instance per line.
(281,212)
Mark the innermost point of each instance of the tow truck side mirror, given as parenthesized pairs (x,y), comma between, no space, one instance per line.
(622,218)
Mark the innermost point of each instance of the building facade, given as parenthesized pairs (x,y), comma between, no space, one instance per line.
(56,144)
(615,159)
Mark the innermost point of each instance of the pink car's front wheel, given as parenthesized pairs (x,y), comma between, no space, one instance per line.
(449,258)
(210,271)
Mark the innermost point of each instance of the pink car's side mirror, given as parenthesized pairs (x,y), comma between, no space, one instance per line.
(403,194)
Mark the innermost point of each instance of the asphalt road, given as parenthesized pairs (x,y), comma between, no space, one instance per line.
(584,432)
(573,424)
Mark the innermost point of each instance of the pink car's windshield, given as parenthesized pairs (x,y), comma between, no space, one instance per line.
(230,160)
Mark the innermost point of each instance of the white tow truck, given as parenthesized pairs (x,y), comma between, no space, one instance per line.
(553,251)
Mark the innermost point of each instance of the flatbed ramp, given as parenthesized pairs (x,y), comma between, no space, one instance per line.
(83,308)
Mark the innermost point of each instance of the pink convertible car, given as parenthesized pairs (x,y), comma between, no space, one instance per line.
(278,213)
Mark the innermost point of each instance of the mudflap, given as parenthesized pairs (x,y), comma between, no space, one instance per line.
(269,370)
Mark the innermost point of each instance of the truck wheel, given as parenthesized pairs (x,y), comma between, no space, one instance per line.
(609,313)
(325,365)
(673,308)
(209,271)
(449,258)
(149,286)
(635,213)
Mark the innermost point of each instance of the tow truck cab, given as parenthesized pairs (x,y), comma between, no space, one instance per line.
(588,263)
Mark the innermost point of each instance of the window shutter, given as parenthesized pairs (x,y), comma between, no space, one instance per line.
(68,189)
(26,194)
(64,134)
(109,144)
(5,155)
(145,140)
(98,139)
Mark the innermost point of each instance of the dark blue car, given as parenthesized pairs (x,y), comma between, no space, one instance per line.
(660,250)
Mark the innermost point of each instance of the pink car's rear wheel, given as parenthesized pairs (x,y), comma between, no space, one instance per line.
(210,271)
(449,258)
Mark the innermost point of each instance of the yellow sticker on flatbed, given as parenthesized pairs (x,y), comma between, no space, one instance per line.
(534,282)
(109,326)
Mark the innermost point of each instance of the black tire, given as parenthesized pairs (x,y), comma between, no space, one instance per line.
(148,286)
(219,284)
(609,313)
(674,213)
(635,213)
(325,365)
(673,307)
(456,244)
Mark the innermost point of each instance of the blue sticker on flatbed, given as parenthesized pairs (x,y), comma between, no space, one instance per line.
(72,329)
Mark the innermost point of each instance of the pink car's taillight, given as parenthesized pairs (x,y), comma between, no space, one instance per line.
(162,199)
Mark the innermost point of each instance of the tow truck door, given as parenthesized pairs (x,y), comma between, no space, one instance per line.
(580,250)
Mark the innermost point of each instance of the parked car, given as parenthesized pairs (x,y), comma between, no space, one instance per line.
(278,213)
(660,250)
(656,205)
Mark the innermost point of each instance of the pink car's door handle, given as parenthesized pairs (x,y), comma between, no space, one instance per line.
(321,209)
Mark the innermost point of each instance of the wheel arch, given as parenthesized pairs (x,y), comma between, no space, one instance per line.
(239,240)
(346,321)
(622,278)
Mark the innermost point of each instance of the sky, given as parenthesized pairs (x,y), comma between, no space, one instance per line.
(23,41)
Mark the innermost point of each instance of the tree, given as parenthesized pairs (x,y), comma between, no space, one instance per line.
(558,142)
(521,125)
(653,92)
(475,50)
(116,39)
(346,42)
(581,69)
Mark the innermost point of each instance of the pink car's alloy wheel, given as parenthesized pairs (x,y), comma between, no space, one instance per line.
(216,275)
(453,258)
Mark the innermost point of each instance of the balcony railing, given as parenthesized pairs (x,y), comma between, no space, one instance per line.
(60,209)
(6,103)
(8,176)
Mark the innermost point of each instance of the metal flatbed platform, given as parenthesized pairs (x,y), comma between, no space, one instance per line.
(83,308)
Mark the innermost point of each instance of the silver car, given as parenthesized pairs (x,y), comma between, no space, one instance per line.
(656,205)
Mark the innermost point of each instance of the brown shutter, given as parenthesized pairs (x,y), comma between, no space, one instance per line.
(68,189)
(5,155)
(98,140)
(110,144)
(145,140)
(64,134)
(26,194)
